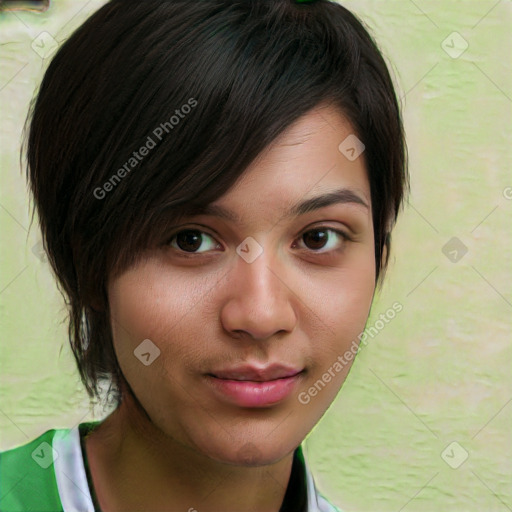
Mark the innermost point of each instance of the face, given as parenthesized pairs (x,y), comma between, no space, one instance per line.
(233,333)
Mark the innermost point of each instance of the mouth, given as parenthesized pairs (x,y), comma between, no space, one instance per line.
(257,374)
(251,386)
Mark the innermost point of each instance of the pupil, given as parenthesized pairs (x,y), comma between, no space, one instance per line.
(318,239)
(188,242)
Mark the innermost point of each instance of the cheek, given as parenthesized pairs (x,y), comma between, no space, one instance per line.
(343,304)
(147,303)
(353,301)
(346,316)
(344,299)
(336,336)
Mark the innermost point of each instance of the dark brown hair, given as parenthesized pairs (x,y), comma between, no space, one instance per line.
(204,86)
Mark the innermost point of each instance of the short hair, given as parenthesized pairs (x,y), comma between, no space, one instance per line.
(207,86)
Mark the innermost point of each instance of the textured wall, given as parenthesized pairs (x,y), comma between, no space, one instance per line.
(439,372)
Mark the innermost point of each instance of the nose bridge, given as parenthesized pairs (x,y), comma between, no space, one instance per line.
(256,271)
(259,275)
(260,301)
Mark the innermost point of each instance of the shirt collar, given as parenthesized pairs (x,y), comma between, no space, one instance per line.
(74,490)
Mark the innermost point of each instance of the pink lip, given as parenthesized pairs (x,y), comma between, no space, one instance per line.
(249,386)
(257,373)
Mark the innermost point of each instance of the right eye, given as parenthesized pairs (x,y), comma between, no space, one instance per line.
(188,241)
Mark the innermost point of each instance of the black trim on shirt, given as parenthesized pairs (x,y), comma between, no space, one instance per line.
(84,429)
(295,498)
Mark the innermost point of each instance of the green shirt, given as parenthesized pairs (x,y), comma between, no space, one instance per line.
(51,474)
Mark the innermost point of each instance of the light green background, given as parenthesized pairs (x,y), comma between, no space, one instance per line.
(440,371)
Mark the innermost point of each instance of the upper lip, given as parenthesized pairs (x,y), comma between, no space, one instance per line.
(257,373)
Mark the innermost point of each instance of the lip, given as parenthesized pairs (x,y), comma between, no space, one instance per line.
(251,386)
(257,373)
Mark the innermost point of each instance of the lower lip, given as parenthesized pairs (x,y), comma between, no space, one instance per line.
(253,394)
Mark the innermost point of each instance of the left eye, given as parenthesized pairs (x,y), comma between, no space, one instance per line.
(317,240)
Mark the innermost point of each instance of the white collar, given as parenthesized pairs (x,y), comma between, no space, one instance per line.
(74,490)
(70,472)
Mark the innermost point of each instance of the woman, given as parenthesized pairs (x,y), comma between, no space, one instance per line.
(216,184)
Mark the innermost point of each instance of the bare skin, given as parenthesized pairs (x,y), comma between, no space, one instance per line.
(182,446)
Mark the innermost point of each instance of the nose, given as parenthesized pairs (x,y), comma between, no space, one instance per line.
(260,300)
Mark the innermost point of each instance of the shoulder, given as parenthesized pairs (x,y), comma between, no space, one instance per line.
(317,502)
(27,475)
(326,506)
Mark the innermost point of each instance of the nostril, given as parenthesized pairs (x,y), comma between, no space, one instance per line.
(240,334)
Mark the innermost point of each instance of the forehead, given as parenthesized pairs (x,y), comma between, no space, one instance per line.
(304,162)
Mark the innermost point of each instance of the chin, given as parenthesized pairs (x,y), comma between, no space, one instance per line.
(248,453)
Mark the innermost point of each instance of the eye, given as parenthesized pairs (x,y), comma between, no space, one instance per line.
(320,240)
(323,237)
(189,240)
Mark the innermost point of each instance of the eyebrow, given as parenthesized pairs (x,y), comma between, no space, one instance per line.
(340,196)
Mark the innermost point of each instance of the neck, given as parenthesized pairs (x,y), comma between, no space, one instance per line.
(136,466)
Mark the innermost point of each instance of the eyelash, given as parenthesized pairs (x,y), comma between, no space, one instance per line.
(342,234)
